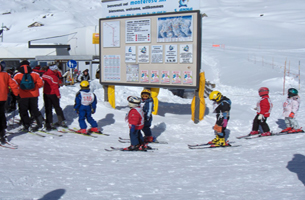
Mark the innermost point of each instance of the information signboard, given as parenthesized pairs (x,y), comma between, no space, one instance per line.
(156,50)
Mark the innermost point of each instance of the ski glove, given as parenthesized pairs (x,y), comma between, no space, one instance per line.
(217,128)
(291,115)
(92,111)
(77,112)
(260,117)
(224,123)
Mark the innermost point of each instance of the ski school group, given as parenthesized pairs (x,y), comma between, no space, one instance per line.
(25,84)
(222,106)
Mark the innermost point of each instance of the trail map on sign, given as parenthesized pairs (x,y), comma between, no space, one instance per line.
(111,34)
(174,29)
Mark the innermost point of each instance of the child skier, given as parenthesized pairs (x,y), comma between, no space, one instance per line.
(85,105)
(264,106)
(290,107)
(135,120)
(222,107)
(147,104)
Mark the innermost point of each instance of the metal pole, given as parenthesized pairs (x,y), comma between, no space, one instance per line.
(299,75)
(284,79)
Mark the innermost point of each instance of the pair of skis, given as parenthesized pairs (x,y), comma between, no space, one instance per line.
(9,145)
(209,146)
(248,136)
(90,134)
(127,140)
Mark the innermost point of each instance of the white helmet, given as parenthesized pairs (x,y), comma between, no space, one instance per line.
(133,101)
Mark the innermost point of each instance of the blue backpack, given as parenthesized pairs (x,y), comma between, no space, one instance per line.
(27,82)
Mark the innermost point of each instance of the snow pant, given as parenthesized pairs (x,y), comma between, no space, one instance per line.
(136,137)
(29,104)
(50,101)
(262,123)
(291,122)
(2,118)
(146,129)
(219,122)
(85,113)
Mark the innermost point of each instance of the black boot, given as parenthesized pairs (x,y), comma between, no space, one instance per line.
(40,123)
(3,138)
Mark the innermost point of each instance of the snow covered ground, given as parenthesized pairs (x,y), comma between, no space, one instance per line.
(253,52)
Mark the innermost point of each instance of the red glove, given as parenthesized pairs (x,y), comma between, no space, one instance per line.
(291,115)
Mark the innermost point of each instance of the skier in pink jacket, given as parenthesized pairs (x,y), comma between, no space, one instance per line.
(290,108)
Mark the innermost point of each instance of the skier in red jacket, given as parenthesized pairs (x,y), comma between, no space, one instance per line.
(51,97)
(264,106)
(135,120)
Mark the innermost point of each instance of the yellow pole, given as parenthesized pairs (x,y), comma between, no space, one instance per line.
(154,95)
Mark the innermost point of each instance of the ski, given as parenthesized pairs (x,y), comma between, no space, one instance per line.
(122,149)
(35,133)
(100,133)
(156,142)
(127,140)
(204,144)
(50,133)
(212,147)
(74,131)
(272,134)
(9,146)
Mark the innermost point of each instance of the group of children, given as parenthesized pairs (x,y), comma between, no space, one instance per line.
(222,107)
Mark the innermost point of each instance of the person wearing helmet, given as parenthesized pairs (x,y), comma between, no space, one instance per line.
(85,106)
(135,120)
(222,107)
(290,108)
(51,97)
(264,107)
(147,104)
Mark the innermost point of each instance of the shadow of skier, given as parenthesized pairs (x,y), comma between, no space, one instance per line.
(54,195)
(297,165)
(108,120)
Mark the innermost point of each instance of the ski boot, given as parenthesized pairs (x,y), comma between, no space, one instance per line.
(148,139)
(132,148)
(296,131)
(214,141)
(220,143)
(266,134)
(287,129)
(82,131)
(253,133)
(94,129)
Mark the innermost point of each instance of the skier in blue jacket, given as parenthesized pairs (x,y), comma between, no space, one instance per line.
(85,106)
(147,103)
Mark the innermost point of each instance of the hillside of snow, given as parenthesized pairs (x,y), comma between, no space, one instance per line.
(257,40)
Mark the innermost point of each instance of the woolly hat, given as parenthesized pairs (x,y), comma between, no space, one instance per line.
(53,67)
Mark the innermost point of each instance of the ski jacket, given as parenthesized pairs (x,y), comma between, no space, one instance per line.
(264,106)
(36,78)
(291,105)
(222,109)
(51,83)
(135,116)
(85,100)
(147,106)
(5,82)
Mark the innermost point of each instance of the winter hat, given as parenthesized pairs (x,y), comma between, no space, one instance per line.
(53,67)
(24,62)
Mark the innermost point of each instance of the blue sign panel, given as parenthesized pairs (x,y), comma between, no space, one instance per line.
(72,64)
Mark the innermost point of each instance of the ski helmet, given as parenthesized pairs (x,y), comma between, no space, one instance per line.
(84,85)
(133,101)
(263,91)
(215,96)
(292,92)
(147,92)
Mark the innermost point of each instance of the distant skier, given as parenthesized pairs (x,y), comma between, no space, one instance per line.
(290,108)
(85,106)
(222,107)
(147,103)
(264,107)
(135,120)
